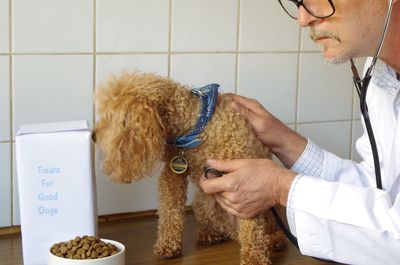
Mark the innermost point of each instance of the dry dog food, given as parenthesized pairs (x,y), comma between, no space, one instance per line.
(85,247)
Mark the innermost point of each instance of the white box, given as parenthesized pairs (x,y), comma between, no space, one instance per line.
(56,183)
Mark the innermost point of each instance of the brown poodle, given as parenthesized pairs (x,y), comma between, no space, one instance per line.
(138,115)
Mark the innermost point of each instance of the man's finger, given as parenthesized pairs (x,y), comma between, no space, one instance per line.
(230,210)
(222,165)
(215,185)
(241,103)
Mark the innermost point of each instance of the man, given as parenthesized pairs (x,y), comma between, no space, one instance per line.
(333,206)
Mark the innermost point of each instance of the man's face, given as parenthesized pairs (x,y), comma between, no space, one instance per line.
(353,31)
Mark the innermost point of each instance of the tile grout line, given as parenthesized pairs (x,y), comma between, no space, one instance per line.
(239,4)
(296,116)
(6,142)
(153,53)
(94,60)
(11,88)
(94,68)
(169,38)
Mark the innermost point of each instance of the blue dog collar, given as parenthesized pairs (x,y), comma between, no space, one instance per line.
(209,96)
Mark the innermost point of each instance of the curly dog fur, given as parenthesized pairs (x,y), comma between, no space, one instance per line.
(138,112)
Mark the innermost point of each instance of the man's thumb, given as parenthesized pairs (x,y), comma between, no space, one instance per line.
(242,110)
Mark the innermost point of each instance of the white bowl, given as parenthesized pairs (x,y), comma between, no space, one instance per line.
(117,259)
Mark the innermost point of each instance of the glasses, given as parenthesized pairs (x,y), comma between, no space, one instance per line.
(316,8)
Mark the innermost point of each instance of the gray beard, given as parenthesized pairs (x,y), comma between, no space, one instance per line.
(315,34)
(336,61)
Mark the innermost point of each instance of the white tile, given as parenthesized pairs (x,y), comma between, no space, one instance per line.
(4,98)
(204,25)
(272,80)
(116,64)
(325,91)
(4,26)
(332,136)
(121,198)
(53,26)
(307,44)
(357,132)
(5,185)
(132,25)
(137,196)
(52,88)
(16,220)
(356,105)
(201,69)
(258,27)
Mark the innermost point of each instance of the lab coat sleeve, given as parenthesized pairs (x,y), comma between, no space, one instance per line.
(338,214)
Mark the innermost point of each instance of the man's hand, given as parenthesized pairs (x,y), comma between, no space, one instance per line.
(250,186)
(286,144)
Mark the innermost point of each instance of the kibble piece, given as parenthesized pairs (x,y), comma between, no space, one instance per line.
(63,249)
(86,246)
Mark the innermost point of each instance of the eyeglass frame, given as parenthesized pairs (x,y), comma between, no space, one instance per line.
(300,3)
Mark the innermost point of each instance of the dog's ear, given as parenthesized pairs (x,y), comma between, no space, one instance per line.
(130,134)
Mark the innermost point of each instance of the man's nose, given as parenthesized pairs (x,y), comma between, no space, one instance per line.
(305,19)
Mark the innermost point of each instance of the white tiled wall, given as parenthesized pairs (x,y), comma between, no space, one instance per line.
(54,53)
(5,185)
(44,26)
(4,98)
(214,68)
(43,84)
(132,26)
(274,76)
(258,28)
(4,26)
(324,90)
(204,25)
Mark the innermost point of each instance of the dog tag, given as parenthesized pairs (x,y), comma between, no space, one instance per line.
(178,164)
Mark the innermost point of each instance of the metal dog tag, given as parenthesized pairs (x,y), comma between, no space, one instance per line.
(178,164)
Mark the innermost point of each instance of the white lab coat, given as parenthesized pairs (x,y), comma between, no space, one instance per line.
(340,215)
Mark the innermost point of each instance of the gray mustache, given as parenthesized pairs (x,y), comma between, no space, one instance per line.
(315,34)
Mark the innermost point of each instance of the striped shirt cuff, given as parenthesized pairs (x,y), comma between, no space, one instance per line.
(290,211)
(311,161)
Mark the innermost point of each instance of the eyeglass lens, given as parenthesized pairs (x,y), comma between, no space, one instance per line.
(317,8)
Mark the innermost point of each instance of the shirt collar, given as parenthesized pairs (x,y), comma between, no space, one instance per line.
(386,77)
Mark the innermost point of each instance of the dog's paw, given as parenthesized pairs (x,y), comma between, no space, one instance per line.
(210,238)
(169,251)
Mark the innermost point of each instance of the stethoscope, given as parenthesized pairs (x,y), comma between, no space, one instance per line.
(361,87)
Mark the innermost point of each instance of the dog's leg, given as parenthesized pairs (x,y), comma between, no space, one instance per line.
(253,241)
(172,192)
(210,227)
(277,239)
